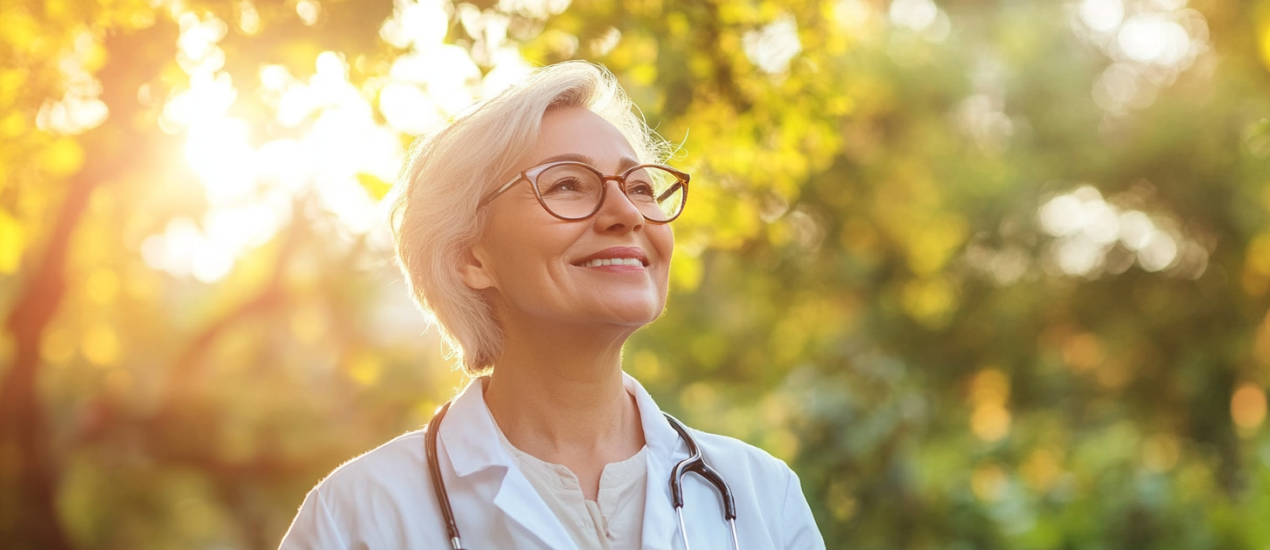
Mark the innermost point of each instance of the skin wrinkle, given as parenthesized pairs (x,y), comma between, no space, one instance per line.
(556,392)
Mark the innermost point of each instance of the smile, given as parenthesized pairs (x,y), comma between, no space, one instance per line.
(613,261)
(618,256)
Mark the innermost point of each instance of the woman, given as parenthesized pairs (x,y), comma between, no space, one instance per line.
(534,234)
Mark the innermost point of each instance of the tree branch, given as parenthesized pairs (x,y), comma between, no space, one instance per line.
(189,364)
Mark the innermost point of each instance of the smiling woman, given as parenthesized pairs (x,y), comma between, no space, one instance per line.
(535,229)
(438,213)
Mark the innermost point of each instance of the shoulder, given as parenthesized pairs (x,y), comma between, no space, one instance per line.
(383,468)
(733,457)
(394,474)
(367,501)
(763,485)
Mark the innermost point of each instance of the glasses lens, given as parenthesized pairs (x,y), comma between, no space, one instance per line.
(656,192)
(570,190)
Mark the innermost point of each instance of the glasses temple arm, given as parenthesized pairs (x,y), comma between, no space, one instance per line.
(503,189)
(667,193)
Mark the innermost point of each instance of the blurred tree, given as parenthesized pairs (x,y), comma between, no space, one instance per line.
(988,274)
(101,141)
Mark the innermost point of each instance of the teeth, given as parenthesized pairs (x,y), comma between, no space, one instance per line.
(614,261)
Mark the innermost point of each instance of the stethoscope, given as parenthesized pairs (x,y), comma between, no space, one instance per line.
(695,463)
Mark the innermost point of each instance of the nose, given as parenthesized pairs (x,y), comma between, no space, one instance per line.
(617,211)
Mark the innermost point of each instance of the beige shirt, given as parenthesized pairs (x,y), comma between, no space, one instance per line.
(614,521)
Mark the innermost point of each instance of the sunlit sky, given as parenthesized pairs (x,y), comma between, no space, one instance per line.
(250,187)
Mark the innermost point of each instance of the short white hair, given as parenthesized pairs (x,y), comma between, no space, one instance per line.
(435,216)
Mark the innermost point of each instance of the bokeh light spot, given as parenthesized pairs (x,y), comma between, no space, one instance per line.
(1102,15)
(774,46)
(101,345)
(1248,406)
(988,482)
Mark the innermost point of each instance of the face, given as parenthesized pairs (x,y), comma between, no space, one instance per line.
(540,268)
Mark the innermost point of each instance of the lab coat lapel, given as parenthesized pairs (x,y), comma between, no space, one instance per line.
(661,526)
(520,501)
(471,440)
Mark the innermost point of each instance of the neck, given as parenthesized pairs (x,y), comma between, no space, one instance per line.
(559,396)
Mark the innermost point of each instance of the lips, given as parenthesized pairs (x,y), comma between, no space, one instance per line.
(618,255)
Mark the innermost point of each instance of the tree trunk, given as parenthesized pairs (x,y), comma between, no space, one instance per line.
(28,478)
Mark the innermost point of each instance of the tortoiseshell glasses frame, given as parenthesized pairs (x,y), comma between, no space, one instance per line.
(577,204)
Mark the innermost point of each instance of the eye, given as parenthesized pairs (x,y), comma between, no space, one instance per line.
(564,185)
(639,187)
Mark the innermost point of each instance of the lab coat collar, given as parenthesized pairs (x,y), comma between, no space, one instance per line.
(660,438)
(470,439)
(470,434)
(664,451)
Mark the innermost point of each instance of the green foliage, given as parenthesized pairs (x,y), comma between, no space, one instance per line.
(873,280)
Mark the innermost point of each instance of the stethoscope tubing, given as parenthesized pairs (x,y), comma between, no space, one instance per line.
(438,484)
(695,463)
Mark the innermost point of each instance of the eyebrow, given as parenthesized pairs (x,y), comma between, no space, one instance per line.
(623,164)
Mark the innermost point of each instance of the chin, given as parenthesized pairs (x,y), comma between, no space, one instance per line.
(636,314)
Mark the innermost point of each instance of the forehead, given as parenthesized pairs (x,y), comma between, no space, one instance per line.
(578,131)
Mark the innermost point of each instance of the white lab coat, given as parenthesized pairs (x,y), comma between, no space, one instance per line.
(384,498)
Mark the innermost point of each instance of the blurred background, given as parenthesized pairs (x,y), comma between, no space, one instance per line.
(987,274)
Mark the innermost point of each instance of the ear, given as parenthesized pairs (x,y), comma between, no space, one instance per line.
(474,269)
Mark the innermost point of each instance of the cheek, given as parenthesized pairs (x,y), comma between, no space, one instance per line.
(511,233)
(527,254)
(663,241)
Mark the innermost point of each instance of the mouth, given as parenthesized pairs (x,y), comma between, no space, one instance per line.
(616,256)
(614,261)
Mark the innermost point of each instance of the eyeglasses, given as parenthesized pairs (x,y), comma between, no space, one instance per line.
(574,191)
